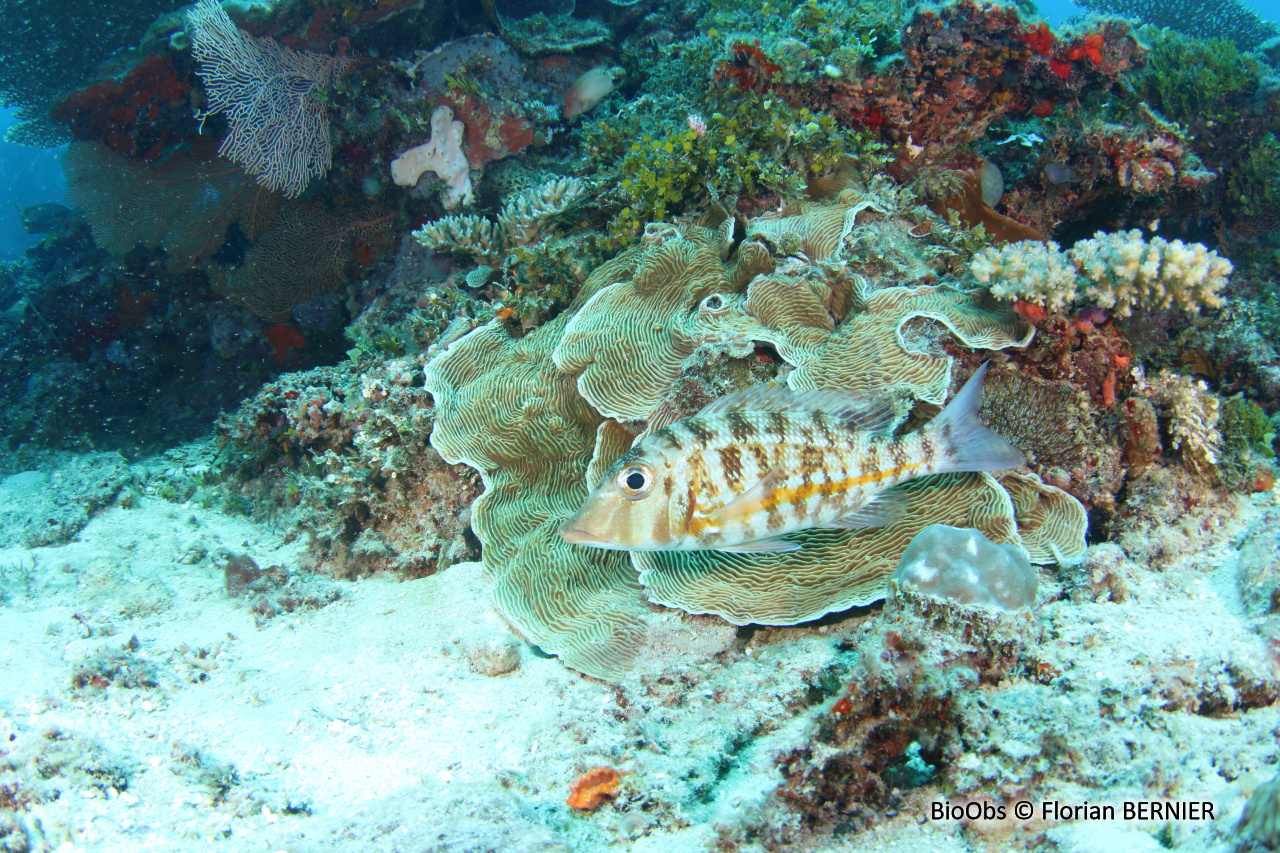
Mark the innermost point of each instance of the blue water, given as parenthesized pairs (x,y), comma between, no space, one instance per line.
(27,176)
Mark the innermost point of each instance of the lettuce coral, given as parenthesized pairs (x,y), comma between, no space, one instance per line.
(543,416)
(834,570)
(814,229)
(503,408)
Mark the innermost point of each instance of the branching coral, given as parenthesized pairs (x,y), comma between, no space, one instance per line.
(1226,19)
(1119,271)
(1126,272)
(1193,418)
(523,220)
(1040,272)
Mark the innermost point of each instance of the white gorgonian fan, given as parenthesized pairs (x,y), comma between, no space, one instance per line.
(278,128)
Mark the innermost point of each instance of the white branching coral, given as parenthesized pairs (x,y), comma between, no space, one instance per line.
(1119,271)
(1126,272)
(469,235)
(524,220)
(1037,272)
(1193,418)
(525,217)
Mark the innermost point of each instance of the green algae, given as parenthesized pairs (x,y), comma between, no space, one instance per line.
(1197,82)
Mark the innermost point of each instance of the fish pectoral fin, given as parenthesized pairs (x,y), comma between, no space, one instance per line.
(881,511)
(746,503)
(773,544)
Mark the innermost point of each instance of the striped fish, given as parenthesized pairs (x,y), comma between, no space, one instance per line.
(761,463)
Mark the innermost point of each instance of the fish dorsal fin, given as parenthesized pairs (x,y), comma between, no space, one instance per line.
(874,414)
(747,503)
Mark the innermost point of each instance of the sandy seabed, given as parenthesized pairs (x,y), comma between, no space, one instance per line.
(144,708)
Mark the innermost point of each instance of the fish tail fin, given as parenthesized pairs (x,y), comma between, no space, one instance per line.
(966,444)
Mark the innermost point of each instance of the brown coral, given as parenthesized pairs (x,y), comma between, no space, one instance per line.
(1066,439)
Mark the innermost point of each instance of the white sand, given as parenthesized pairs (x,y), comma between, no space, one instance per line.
(367,713)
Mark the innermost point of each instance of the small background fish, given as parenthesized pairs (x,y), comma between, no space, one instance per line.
(765,462)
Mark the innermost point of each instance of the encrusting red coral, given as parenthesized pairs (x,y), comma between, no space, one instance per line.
(592,787)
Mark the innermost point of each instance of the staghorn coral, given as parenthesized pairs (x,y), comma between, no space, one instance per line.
(530,214)
(1119,271)
(467,234)
(1032,270)
(1127,272)
(1193,418)
(525,219)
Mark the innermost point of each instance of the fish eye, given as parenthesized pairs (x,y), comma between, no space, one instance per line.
(635,481)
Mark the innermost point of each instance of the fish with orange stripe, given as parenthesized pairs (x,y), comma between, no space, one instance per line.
(759,464)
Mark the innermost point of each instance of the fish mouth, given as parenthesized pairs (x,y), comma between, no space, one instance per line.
(582,536)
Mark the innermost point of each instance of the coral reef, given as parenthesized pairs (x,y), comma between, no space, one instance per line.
(1120,272)
(1231,19)
(669,304)
(646,207)
(342,453)
(1193,417)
